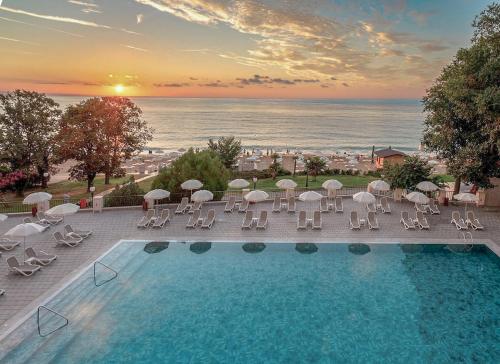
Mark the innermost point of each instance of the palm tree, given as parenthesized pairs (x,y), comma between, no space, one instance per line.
(295,157)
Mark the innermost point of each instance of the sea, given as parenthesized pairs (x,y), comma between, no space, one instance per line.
(320,126)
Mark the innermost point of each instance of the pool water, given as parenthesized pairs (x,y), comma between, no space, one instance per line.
(275,303)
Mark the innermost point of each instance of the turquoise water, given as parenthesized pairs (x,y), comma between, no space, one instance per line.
(276,303)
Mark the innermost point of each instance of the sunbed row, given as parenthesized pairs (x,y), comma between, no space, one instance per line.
(471,221)
(420,221)
(204,222)
(355,223)
(260,223)
(153,220)
(186,207)
(44,220)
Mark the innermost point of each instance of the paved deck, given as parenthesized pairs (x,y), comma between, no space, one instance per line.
(24,294)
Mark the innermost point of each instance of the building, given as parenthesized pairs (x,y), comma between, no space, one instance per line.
(389,155)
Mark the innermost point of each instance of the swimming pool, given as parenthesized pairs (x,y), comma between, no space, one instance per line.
(275,303)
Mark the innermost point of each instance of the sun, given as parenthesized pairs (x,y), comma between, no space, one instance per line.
(119,88)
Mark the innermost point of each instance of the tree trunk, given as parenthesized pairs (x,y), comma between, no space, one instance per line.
(456,188)
(106,178)
(90,181)
(294,166)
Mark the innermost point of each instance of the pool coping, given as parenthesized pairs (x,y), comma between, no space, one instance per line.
(28,311)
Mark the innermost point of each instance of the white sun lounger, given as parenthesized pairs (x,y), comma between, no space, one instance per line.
(339,206)
(354,221)
(40,258)
(77,233)
(472,221)
(162,219)
(291,205)
(302,220)
(422,221)
(420,208)
(230,204)
(407,222)
(433,208)
(371,207)
(195,207)
(193,219)
(277,204)
(384,205)
(457,220)
(248,220)
(209,220)
(183,206)
(25,269)
(67,241)
(146,220)
(44,224)
(372,221)
(2,292)
(262,222)
(323,205)
(317,223)
(7,244)
(243,206)
(51,219)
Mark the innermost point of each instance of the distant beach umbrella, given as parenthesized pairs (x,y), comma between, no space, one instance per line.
(202,196)
(379,185)
(191,184)
(286,184)
(417,197)
(64,209)
(256,196)
(37,197)
(23,231)
(332,184)
(465,197)
(427,186)
(238,183)
(157,194)
(310,196)
(364,197)
(3,217)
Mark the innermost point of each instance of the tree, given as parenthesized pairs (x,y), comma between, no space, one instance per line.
(29,122)
(100,133)
(275,167)
(314,166)
(295,157)
(228,149)
(463,106)
(205,166)
(408,174)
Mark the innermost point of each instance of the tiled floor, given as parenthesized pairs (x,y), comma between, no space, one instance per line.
(110,226)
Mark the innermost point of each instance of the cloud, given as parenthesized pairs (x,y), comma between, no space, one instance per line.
(17,41)
(432,47)
(217,83)
(421,18)
(345,84)
(193,78)
(333,78)
(139,18)
(135,48)
(170,85)
(83,3)
(41,27)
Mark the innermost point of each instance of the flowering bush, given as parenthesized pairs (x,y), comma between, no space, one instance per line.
(13,181)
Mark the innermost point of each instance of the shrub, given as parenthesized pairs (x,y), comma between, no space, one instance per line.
(129,195)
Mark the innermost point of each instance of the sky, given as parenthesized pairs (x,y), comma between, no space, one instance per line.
(231,48)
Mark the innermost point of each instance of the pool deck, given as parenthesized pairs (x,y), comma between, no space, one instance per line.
(25,294)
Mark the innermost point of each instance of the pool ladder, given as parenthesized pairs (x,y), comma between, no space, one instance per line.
(467,237)
(115,274)
(44,334)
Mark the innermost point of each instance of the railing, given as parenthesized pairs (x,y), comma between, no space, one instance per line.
(44,334)
(115,274)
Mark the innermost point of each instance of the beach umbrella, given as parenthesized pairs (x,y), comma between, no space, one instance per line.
(310,196)
(364,197)
(191,184)
(202,196)
(332,185)
(37,197)
(23,231)
(379,185)
(157,194)
(427,186)
(286,184)
(238,183)
(417,197)
(63,209)
(3,217)
(466,197)
(256,196)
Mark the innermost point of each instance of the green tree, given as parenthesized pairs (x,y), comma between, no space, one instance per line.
(205,166)
(131,194)
(228,149)
(29,122)
(314,166)
(275,167)
(408,174)
(463,106)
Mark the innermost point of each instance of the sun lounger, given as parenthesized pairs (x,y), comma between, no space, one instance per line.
(40,258)
(51,219)
(354,221)
(339,206)
(2,292)
(209,220)
(420,208)
(291,205)
(433,208)
(472,221)
(277,204)
(183,206)
(193,219)
(162,219)
(230,204)
(371,207)
(372,221)
(29,220)
(317,223)
(422,221)
(243,206)
(77,233)
(68,241)
(262,222)
(7,244)
(407,222)
(195,207)
(302,220)
(323,205)
(25,269)
(458,221)
(248,220)
(146,220)
(384,205)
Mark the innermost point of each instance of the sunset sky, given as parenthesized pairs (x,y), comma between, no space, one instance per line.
(223,48)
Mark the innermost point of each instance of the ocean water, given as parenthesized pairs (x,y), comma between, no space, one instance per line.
(325,126)
(275,303)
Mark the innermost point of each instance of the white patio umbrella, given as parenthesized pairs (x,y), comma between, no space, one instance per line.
(364,197)
(379,185)
(256,196)
(466,197)
(25,230)
(310,196)
(202,196)
(427,186)
(37,197)
(157,194)
(417,197)
(287,185)
(238,183)
(332,185)
(191,185)
(64,209)
(3,217)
